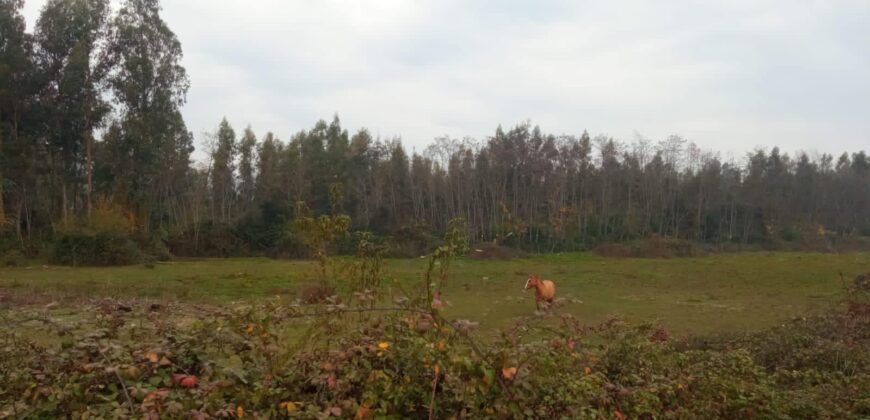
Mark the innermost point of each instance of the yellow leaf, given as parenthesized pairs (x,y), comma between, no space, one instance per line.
(152,357)
(383,345)
(508,372)
(240,412)
(290,406)
(250,328)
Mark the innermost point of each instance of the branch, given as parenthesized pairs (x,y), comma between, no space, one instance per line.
(121,381)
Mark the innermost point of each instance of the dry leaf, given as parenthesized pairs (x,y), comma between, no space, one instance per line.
(364,413)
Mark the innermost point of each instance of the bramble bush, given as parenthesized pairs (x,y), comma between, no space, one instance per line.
(405,362)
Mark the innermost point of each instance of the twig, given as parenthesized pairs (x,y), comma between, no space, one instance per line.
(121,381)
(434,389)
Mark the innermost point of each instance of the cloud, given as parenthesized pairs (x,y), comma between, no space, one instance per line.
(727,75)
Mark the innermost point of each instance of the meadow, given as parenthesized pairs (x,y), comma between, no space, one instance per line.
(769,335)
(702,295)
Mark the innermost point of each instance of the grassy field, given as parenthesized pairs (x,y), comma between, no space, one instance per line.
(720,293)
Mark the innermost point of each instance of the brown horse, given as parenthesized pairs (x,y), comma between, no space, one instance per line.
(545,290)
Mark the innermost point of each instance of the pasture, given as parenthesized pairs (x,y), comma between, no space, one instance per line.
(703,295)
(777,334)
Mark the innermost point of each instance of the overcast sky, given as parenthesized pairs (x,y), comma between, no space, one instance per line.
(728,75)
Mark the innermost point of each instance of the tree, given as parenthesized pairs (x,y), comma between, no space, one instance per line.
(222,171)
(142,61)
(247,147)
(268,181)
(15,70)
(68,34)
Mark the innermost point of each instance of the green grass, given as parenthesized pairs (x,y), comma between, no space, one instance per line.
(720,293)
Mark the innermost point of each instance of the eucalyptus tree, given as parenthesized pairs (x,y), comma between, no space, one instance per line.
(149,85)
(247,148)
(69,37)
(223,166)
(16,67)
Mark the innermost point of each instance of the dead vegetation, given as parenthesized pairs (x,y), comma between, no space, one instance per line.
(653,247)
(490,251)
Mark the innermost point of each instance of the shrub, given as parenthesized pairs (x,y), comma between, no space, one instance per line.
(412,241)
(104,238)
(12,258)
(315,293)
(104,248)
(207,239)
(404,364)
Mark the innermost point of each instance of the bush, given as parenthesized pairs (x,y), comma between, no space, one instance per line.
(403,365)
(315,293)
(99,249)
(12,258)
(207,239)
(104,238)
(412,241)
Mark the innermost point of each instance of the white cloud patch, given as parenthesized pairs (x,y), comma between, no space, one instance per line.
(727,75)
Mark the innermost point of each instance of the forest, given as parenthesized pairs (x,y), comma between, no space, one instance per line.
(95,158)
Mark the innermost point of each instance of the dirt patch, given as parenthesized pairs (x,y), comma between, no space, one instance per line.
(490,251)
(614,251)
(653,247)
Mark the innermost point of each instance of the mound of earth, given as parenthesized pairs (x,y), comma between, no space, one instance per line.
(491,251)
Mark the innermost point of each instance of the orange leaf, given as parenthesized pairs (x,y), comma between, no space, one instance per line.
(508,372)
(188,381)
(152,357)
(618,415)
(587,370)
(364,413)
(177,378)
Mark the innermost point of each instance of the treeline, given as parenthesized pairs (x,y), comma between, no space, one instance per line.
(92,143)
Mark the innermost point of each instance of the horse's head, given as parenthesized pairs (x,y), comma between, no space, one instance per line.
(532,281)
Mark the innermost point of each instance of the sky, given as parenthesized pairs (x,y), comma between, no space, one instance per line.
(730,76)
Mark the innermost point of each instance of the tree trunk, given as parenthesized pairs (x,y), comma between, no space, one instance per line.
(2,204)
(89,168)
